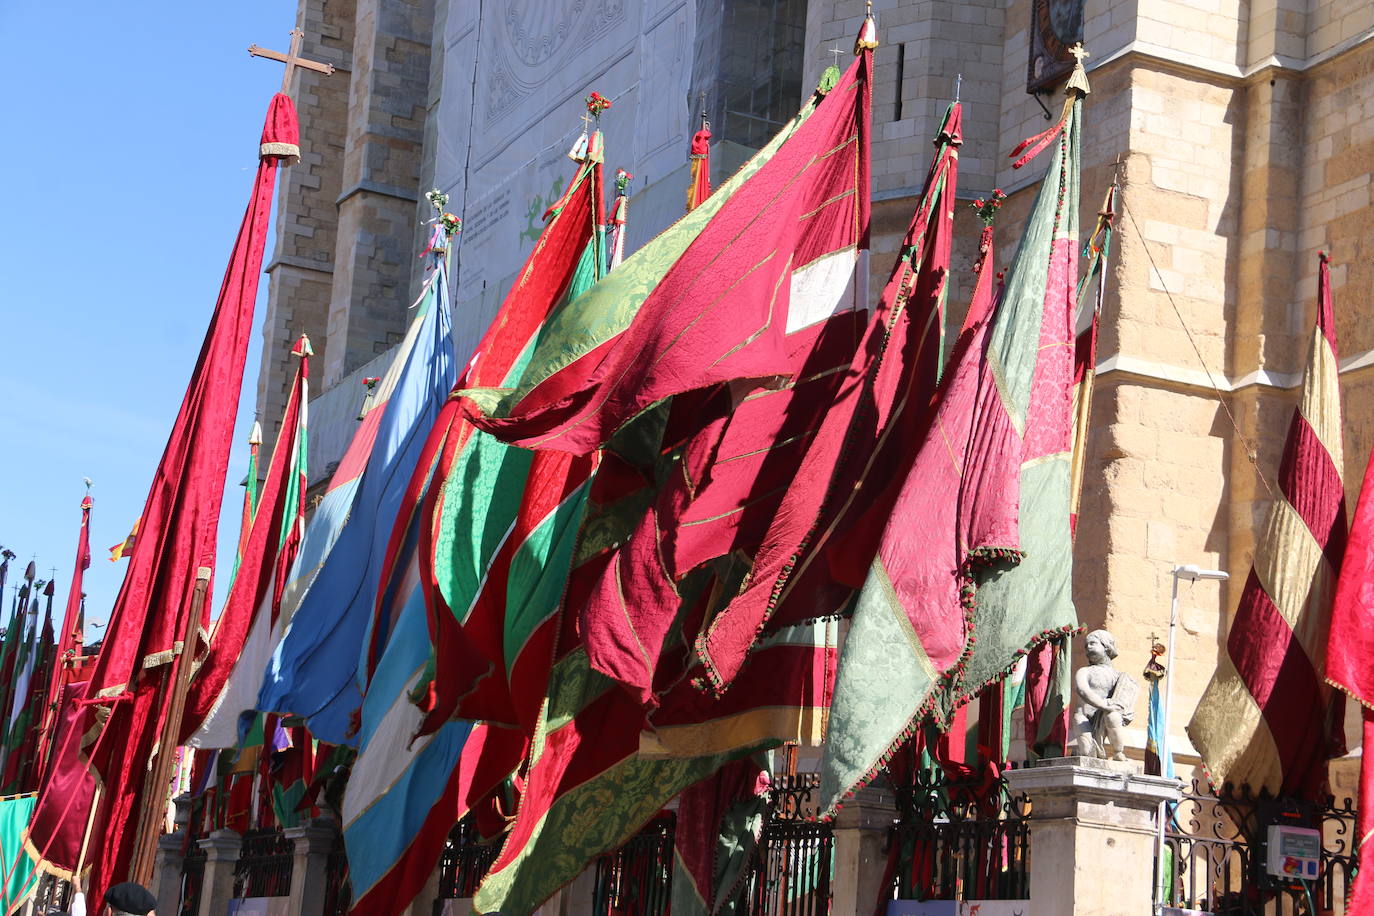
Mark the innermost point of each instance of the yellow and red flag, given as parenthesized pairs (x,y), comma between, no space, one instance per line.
(125,547)
(1268,720)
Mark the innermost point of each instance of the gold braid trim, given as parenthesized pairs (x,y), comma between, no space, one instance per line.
(164,657)
(288,151)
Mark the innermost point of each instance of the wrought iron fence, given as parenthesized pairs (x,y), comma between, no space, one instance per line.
(959,839)
(53,895)
(637,879)
(1216,851)
(338,891)
(790,874)
(264,865)
(464,863)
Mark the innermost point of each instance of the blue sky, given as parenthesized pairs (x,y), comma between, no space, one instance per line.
(130,148)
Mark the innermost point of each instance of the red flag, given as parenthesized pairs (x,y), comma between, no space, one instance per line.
(69,641)
(140,659)
(1349,649)
(700,188)
(265,557)
(773,252)
(55,834)
(1268,720)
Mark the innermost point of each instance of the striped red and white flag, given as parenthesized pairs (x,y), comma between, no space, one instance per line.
(1268,720)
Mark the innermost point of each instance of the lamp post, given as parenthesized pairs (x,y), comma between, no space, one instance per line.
(1166,753)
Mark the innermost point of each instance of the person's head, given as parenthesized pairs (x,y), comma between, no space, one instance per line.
(130,899)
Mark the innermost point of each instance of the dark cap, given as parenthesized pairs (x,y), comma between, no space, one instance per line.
(130,898)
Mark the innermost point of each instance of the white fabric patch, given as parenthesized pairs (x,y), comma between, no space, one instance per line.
(835,283)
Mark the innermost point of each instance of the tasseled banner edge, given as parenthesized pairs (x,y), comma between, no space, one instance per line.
(290,153)
(926,715)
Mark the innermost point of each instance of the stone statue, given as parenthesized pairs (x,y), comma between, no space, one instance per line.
(1107,700)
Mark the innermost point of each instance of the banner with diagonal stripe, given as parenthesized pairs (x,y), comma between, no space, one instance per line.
(1268,720)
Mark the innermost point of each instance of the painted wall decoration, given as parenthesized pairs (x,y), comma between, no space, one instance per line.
(1056,26)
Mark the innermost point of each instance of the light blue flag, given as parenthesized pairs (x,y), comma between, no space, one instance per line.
(314,670)
(399,803)
(1156,741)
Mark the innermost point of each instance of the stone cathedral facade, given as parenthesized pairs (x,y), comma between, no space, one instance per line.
(1243,133)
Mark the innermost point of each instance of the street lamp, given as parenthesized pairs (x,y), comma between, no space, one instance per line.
(1166,753)
(1192,574)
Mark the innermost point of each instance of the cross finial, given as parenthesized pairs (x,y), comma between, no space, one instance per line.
(292,59)
(1079,53)
(837,51)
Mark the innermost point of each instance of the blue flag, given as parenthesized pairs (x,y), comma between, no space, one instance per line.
(1159,759)
(314,671)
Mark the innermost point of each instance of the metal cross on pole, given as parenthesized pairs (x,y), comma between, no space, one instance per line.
(292,59)
(837,51)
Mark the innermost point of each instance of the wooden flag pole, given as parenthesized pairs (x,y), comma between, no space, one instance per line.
(178,679)
(86,837)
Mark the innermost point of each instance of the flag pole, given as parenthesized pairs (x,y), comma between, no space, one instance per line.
(179,678)
(86,835)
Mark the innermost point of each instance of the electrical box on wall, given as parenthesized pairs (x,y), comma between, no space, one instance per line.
(1294,853)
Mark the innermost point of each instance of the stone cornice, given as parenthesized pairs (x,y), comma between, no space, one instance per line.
(376,187)
(326,267)
(1178,376)
(1197,63)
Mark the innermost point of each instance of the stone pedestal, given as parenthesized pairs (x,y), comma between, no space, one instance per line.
(167,872)
(1092,834)
(311,846)
(217,888)
(861,829)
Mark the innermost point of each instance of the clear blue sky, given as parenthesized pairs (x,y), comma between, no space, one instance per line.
(130,143)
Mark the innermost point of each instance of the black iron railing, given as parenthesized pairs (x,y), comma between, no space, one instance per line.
(959,839)
(464,863)
(790,874)
(1216,850)
(637,879)
(264,865)
(53,895)
(338,892)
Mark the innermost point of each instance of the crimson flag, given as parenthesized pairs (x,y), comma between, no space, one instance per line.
(69,641)
(130,685)
(65,792)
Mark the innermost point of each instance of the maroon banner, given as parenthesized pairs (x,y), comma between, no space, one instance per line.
(55,834)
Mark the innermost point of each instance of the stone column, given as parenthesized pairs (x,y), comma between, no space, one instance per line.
(1092,834)
(217,887)
(311,844)
(861,829)
(167,871)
